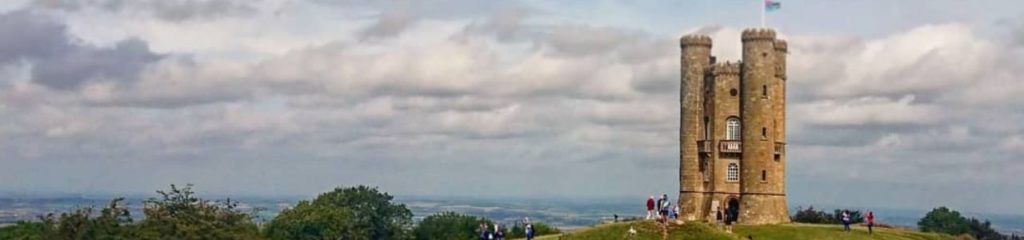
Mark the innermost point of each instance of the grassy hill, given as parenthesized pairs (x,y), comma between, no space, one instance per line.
(651,230)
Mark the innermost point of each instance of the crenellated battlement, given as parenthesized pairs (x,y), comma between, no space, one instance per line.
(781,45)
(695,40)
(726,68)
(758,34)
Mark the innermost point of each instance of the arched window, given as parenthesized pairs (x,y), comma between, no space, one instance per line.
(733,173)
(732,129)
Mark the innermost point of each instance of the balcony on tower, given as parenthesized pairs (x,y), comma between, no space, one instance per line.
(704,146)
(780,148)
(730,146)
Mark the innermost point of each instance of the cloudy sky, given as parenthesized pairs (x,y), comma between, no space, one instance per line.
(904,104)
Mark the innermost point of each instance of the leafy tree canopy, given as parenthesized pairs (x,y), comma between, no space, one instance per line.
(346,213)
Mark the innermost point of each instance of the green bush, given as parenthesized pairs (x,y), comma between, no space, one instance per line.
(944,220)
(449,225)
(519,230)
(346,213)
(811,215)
(179,214)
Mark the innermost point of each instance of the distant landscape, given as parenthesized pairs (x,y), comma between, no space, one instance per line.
(563,213)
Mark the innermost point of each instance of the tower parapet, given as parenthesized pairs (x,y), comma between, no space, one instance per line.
(781,46)
(758,34)
(695,40)
(726,68)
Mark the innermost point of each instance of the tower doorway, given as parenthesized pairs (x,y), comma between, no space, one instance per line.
(733,210)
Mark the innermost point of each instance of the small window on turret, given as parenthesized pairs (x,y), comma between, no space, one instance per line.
(733,92)
(764,90)
(764,54)
(764,175)
(764,132)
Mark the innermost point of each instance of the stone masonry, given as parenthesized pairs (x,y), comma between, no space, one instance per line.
(732,130)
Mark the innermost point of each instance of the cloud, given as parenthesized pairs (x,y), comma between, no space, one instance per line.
(867,111)
(479,90)
(59,61)
(168,10)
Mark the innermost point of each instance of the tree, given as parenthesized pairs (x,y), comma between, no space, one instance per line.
(948,221)
(810,215)
(943,220)
(449,225)
(308,221)
(371,215)
(180,214)
(855,216)
(112,224)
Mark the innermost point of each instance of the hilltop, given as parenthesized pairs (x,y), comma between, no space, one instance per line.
(695,230)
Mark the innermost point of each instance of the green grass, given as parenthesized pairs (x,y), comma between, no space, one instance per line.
(695,230)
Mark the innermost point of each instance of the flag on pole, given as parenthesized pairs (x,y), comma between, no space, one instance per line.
(771,6)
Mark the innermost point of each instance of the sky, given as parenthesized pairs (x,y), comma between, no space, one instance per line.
(897,104)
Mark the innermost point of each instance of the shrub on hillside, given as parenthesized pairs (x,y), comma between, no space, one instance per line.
(811,215)
(449,225)
(345,213)
(519,230)
(179,214)
(944,220)
(855,216)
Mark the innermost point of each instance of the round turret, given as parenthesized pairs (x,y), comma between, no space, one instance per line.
(695,40)
(781,46)
(758,34)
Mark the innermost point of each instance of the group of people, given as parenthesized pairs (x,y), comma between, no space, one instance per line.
(665,209)
(725,217)
(869,220)
(487,234)
(497,234)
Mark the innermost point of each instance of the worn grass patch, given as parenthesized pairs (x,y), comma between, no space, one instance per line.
(697,230)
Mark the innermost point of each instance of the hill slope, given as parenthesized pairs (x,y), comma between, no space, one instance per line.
(651,230)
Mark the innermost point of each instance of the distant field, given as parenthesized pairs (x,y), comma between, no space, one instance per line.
(651,230)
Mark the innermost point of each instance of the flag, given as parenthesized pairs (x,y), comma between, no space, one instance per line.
(771,6)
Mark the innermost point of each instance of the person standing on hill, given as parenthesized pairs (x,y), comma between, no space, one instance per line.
(650,207)
(728,220)
(846,221)
(484,233)
(663,208)
(871,222)
(718,216)
(529,229)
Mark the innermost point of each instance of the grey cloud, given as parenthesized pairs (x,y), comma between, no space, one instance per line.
(389,24)
(121,63)
(169,10)
(60,61)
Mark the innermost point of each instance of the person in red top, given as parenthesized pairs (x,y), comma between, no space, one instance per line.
(871,221)
(650,207)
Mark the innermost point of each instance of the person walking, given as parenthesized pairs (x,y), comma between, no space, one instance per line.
(498,234)
(718,217)
(728,221)
(675,211)
(484,233)
(846,221)
(529,229)
(871,222)
(650,207)
(664,206)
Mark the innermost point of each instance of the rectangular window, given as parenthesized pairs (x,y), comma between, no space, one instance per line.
(733,173)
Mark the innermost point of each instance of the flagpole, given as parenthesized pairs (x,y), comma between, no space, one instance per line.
(764,8)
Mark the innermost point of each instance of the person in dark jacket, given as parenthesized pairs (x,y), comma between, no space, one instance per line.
(650,207)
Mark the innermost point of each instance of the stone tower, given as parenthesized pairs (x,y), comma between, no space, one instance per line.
(732,130)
